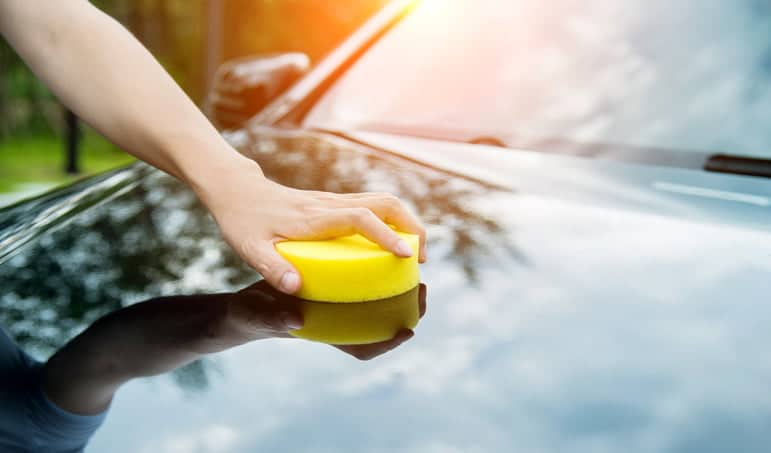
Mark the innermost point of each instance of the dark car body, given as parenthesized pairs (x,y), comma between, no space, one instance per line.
(574,303)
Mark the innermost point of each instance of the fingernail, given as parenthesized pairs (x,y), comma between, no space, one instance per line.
(292,321)
(289,282)
(403,249)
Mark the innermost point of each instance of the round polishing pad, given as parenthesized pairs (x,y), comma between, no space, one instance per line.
(362,323)
(351,268)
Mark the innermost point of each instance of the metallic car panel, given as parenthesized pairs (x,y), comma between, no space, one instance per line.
(557,320)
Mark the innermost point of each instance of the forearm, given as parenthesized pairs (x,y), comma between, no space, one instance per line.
(97,68)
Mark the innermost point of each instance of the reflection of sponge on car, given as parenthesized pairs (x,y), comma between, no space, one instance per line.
(357,324)
(351,268)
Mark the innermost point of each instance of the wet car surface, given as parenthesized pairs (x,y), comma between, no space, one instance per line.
(574,303)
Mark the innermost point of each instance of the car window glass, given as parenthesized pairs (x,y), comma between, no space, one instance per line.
(691,75)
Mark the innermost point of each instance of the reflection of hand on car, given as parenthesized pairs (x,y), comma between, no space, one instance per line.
(259,293)
(163,334)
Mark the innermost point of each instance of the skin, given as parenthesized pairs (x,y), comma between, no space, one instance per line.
(103,74)
(163,334)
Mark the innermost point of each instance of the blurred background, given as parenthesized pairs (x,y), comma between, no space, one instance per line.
(190,38)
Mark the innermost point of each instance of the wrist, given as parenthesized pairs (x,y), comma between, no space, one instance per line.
(220,172)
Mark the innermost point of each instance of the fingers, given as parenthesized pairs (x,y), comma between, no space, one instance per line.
(370,351)
(342,222)
(273,267)
(391,210)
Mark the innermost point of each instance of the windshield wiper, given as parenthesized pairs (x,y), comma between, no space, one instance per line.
(720,163)
(738,165)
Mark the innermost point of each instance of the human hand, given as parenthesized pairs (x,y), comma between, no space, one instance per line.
(254,214)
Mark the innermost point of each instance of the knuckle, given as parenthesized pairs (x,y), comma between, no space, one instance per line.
(318,222)
(308,225)
(249,249)
(360,215)
(263,268)
(392,201)
(260,259)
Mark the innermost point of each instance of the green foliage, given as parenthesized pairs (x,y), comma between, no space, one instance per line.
(173,30)
(176,32)
(26,105)
(39,159)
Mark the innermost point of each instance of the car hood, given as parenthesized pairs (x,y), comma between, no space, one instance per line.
(573,305)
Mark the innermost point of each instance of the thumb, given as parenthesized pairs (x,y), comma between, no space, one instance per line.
(276,269)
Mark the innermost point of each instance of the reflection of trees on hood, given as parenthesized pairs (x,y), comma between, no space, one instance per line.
(140,245)
(158,240)
(310,162)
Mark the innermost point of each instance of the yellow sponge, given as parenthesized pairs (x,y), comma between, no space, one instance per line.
(351,268)
(363,323)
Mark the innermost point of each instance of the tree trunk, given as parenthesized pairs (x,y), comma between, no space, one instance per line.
(213,43)
(71,143)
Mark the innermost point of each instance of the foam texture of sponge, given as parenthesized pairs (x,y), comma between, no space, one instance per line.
(358,324)
(351,268)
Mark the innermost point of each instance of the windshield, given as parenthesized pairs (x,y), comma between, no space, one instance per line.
(691,75)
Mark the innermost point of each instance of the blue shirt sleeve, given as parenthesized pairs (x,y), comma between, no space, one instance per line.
(29,421)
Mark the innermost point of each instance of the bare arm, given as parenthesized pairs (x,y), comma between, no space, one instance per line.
(98,69)
(102,73)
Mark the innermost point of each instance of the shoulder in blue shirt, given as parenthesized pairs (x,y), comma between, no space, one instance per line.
(29,421)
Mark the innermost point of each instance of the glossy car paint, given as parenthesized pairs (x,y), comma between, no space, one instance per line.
(573,304)
(556,320)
